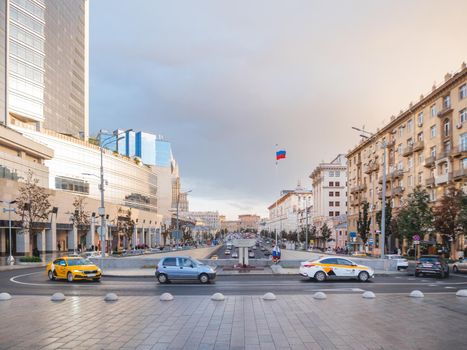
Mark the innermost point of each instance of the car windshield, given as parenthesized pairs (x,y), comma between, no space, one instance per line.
(429,259)
(197,262)
(76,262)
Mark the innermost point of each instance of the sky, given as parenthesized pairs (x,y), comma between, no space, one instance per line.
(225,81)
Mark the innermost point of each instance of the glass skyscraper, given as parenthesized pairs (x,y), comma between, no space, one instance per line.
(43,45)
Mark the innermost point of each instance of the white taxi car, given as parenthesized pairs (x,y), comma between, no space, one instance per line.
(402,263)
(324,268)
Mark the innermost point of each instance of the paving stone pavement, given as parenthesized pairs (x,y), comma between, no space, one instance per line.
(240,322)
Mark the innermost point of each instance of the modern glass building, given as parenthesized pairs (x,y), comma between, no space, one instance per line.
(43,45)
(164,155)
(146,147)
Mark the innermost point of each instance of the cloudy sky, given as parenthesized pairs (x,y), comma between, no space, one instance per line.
(225,81)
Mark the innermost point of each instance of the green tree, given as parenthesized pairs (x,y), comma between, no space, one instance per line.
(125,225)
(363,223)
(449,215)
(325,233)
(80,217)
(416,216)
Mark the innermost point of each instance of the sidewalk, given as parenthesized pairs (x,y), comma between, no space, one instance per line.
(293,322)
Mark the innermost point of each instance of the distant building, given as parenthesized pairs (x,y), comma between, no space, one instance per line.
(209,219)
(230,225)
(248,222)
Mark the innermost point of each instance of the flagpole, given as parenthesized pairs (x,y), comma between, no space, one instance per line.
(277,182)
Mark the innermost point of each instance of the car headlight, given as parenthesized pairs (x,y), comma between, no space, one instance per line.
(78,271)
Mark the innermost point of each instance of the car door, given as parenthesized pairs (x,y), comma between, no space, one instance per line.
(170,268)
(187,268)
(346,268)
(463,265)
(330,266)
(61,268)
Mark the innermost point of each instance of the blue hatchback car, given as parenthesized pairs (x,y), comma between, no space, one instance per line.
(183,268)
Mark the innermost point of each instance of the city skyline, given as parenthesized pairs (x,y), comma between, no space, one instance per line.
(206,87)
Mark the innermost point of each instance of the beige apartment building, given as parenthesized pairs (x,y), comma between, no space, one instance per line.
(249,221)
(426,145)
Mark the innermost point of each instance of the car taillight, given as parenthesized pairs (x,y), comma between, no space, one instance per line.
(437,263)
(309,265)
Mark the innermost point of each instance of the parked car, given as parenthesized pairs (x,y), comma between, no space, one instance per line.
(254,247)
(214,257)
(460,265)
(339,268)
(431,265)
(402,264)
(227,252)
(251,254)
(73,268)
(263,248)
(183,268)
(234,255)
(267,252)
(92,254)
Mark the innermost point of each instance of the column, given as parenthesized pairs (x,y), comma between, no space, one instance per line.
(134,242)
(142,236)
(90,240)
(51,235)
(3,238)
(22,242)
(240,255)
(246,255)
(41,246)
(73,239)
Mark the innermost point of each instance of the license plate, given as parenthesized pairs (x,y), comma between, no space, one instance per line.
(92,275)
(427,265)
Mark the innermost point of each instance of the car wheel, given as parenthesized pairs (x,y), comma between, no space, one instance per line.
(417,274)
(455,269)
(363,276)
(51,275)
(162,278)
(96,279)
(69,277)
(203,278)
(320,276)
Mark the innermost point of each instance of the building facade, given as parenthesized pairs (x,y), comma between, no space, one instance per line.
(209,219)
(46,66)
(284,212)
(249,222)
(426,146)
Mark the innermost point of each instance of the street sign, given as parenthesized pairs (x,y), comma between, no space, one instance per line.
(416,242)
(416,238)
(353,234)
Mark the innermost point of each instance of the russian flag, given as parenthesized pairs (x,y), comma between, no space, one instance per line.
(280,154)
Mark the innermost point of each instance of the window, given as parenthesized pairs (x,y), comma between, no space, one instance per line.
(337,204)
(464,163)
(337,193)
(447,101)
(409,125)
(420,136)
(432,194)
(433,131)
(433,111)
(329,261)
(401,130)
(331,204)
(400,166)
(185,262)
(331,174)
(169,262)
(463,142)
(331,213)
(410,142)
(337,173)
(338,183)
(399,148)
(420,119)
(331,183)
(331,194)
(463,115)
(421,158)
(69,184)
(433,151)
(409,180)
(410,162)
(446,127)
(337,213)
(463,92)
(420,178)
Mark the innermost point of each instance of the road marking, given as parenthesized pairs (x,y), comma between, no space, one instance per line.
(13,279)
(450,287)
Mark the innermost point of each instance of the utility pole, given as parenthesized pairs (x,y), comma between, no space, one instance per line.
(306,228)
(11,259)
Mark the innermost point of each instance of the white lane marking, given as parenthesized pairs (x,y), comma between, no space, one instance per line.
(450,287)
(433,285)
(13,279)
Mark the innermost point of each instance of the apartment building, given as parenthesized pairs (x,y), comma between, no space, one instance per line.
(425,145)
(249,221)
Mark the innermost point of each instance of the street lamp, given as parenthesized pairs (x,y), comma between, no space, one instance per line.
(366,134)
(178,202)
(11,259)
(101,209)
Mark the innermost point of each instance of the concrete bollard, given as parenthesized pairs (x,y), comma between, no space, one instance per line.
(368,295)
(218,297)
(462,293)
(57,297)
(416,294)
(166,297)
(269,296)
(111,297)
(5,296)
(319,296)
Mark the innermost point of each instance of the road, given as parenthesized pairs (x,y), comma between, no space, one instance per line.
(258,253)
(34,282)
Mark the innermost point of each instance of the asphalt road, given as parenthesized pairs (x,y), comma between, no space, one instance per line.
(34,282)
(258,253)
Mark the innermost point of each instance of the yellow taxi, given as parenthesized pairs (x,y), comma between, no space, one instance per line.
(73,268)
(337,267)
(214,257)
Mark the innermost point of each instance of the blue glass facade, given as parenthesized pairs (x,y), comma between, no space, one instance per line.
(163,153)
(146,147)
(130,144)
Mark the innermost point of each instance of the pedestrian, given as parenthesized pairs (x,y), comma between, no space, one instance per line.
(58,246)
(274,254)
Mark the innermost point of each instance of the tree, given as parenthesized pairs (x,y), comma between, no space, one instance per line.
(125,224)
(449,215)
(165,233)
(363,223)
(325,233)
(416,216)
(32,204)
(387,221)
(79,217)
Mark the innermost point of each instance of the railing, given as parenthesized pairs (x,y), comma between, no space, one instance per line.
(429,161)
(430,181)
(444,111)
(419,145)
(460,173)
(398,190)
(407,151)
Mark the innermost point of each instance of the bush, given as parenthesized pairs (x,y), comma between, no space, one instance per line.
(30,259)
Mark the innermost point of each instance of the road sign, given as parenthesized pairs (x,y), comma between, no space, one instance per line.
(416,242)
(416,238)
(353,234)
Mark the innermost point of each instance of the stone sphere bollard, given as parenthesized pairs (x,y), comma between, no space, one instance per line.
(462,293)
(111,297)
(269,296)
(57,297)
(5,296)
(319,296)
(218,297)
(368,295)
(166,297)
(416,294)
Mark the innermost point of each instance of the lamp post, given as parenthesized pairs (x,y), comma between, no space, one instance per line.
(11,259)
(178,203)
(366,134)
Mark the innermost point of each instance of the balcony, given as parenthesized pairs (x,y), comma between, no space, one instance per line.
(391,143)
(407,151)
(429,162)
(367,169)
(459,174)
(397,174)
(444,111)
(397,191)
(460,151)
(371,168)
(380,194)
(443,179)
(430,181)
(444,154)
(361,188)
(418,146)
